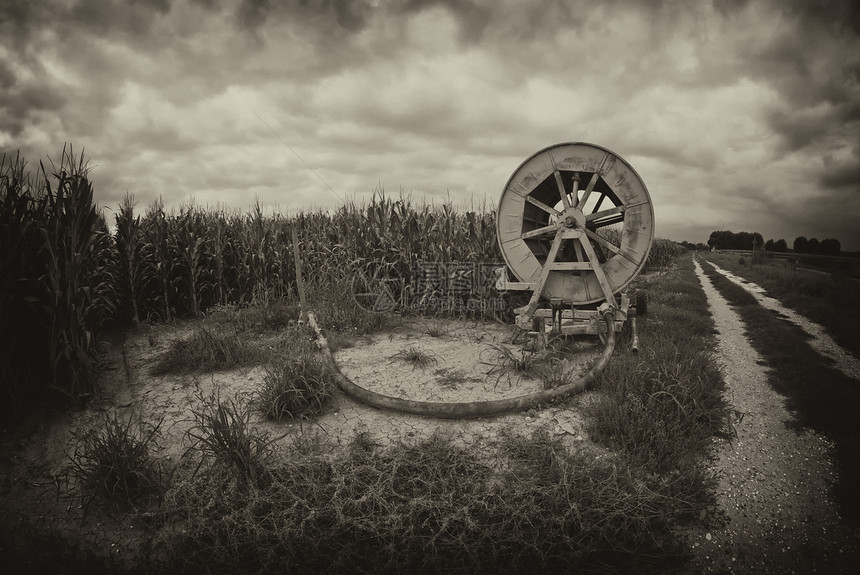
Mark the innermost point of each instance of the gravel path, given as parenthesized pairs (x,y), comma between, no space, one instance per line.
(821,340)
(775,484)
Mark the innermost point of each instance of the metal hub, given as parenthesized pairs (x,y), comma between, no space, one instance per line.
(574,218)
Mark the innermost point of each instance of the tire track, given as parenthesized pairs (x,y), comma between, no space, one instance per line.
(821,341)
(775,485)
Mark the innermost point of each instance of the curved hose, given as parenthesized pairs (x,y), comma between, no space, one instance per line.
(470,409)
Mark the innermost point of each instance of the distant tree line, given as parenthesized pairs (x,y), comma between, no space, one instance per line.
(699,247)
(828,247)
(778,246)
(726,240)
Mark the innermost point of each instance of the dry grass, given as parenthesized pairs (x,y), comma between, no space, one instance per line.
(223,437)
(207,349)
(425,507)
(296,388)
(113,462)
(416,356)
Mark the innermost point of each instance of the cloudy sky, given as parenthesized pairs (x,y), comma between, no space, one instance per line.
(737,115)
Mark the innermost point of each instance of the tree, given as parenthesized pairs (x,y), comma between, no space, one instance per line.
(720,240)
(814,246)
(756,241)
(831,246)
(768,245)
(780,246)
(726,240)
(801,244)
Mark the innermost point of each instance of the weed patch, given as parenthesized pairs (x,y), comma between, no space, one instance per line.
(276,315)
(300,387)
(113,462)
(429,507)
(416,356)
(436,329)
(207,349)
(223,438)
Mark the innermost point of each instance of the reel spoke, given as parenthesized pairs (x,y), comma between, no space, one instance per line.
(604,213)
(550,229)
(603,241)
(561,191)
(606,222)
(543,206)
(599,201)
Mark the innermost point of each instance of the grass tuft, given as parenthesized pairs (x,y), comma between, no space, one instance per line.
(223,436)
(113,462)
(505,361)
(298,388)
(207,349)
(416,356)
(436,329)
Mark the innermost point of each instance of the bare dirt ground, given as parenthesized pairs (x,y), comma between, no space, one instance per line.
(775,483)
(35,487)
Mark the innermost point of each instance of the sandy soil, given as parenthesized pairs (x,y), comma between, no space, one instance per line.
(775,484)
(35,486)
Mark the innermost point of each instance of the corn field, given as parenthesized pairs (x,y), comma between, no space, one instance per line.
(64,275)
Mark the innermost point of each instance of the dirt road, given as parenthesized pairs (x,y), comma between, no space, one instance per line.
(820,340)
(775,484)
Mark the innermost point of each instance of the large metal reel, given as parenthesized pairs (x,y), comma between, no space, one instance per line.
(587,211)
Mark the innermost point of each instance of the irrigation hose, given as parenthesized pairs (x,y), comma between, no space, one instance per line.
(487,408)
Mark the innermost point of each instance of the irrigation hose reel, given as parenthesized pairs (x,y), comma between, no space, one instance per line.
(551,225)
(575,225)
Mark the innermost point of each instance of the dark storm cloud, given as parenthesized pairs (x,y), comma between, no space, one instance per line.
(117,17)
(817,81)
(348,15)
(842,175)
(839,15)
(251,14)
(19,19)
(23,102)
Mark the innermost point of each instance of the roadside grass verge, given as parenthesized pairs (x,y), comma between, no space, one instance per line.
(662,407)
(832,301)
(424,506)
(820,397)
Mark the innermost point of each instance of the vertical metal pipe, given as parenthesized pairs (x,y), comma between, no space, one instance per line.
(635,343)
